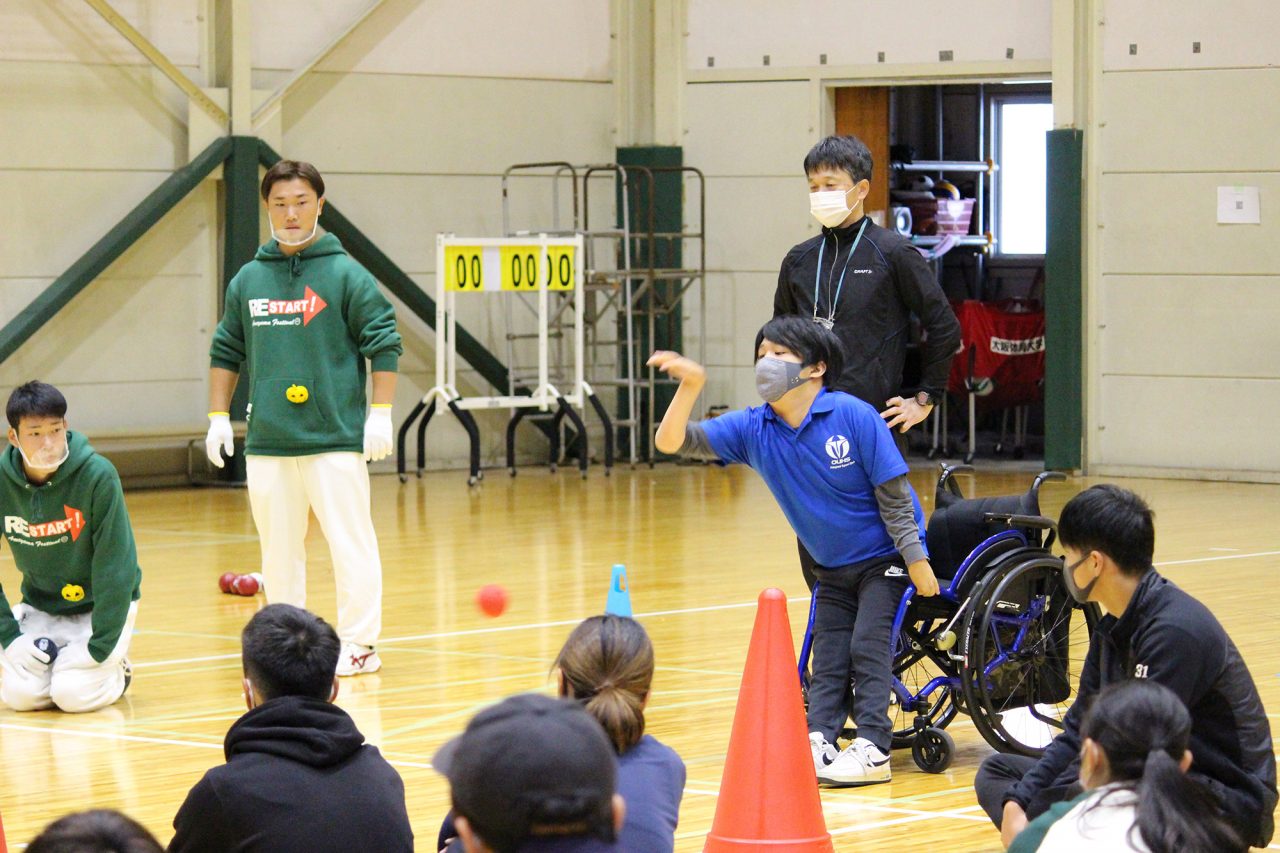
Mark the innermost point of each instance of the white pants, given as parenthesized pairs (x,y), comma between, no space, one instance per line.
(336,486)
(66,685)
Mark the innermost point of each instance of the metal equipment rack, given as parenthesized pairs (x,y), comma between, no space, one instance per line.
(631,278)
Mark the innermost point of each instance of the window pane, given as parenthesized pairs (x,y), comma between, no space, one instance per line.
(1022,177)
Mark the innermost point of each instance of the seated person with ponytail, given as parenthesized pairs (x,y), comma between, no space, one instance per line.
(1138,796)
(1153,630)
(607,666)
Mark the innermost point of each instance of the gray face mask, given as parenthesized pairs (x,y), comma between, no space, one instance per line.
(1079,593)
(775,377)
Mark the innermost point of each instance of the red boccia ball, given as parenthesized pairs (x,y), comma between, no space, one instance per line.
(491,599)
(245,585)
(225,582)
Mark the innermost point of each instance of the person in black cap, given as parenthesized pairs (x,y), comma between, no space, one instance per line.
(556,787)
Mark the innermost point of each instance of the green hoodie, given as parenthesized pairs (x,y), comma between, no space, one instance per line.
(72,541)
(306,320)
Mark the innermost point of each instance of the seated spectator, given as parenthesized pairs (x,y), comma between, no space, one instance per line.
(530,774)
(607,666)
(299,776)
(1152,630)
(1138,796)
(97,831)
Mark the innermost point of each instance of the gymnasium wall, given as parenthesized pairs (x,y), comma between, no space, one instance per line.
(86,131)
(412,118)
(1183,358)
(748,125)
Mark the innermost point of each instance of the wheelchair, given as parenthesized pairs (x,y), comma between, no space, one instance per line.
(1003,641)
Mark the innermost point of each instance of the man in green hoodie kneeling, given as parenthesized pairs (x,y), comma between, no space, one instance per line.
(69,530)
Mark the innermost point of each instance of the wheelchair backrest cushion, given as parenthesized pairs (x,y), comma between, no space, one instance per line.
(958,526)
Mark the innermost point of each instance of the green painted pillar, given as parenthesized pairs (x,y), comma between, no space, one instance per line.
(1064,303)
(241,210)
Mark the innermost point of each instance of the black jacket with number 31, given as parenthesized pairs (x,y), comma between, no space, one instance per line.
(1169,637)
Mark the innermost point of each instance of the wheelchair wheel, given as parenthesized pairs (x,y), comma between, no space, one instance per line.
(932,750)
(1025,641)
(915,665)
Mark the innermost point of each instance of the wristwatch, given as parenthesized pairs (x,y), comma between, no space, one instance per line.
(925,398)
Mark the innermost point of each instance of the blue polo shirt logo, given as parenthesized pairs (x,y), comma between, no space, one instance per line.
(838,450)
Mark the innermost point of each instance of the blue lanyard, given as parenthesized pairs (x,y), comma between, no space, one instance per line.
(818,274)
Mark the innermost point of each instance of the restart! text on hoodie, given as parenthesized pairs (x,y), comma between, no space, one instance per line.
(303,326)
(72,542)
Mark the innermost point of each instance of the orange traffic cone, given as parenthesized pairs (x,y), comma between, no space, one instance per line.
(769,793)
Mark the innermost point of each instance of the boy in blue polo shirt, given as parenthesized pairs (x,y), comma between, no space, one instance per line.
(833,467)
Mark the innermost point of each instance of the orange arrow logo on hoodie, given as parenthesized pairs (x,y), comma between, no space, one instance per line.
(75,521)
(312,305)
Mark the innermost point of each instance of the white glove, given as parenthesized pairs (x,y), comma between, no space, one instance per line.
(220,438)
(24,655)
(377,434)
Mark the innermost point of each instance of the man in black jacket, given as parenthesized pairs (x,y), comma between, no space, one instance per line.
(299,776)
(1154,630)
(864,282)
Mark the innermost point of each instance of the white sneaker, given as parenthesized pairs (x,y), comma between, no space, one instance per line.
(860,763)
(823,752)
(355,659)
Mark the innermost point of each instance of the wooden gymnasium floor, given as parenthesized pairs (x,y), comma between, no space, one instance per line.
(699,543)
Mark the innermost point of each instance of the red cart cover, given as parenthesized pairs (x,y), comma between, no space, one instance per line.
(1002,353)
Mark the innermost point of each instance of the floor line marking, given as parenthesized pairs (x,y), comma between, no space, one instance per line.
(501,629)
(915,817)
(110,736)
(138,632)
(559,623)
(163,741)
(1215,559)
(230,537)
(144,664)
(860,827)
(157,546)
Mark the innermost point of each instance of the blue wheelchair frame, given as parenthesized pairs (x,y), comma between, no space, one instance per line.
(948,593)
(1003,634)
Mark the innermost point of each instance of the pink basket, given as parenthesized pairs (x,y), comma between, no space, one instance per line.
(953,215)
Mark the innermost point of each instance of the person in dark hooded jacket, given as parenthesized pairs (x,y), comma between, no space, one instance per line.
(299,776)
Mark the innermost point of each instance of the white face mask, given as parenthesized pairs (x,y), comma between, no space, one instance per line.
(830,206)
(46,458)
(283,242)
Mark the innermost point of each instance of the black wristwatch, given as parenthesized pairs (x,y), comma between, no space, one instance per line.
(925,398)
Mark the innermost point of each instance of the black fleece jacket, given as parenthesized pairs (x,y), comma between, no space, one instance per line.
(298,777)
(885,282)
(1169,637)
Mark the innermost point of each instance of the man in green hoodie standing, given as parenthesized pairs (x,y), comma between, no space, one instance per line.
(304,316)
(67,526)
